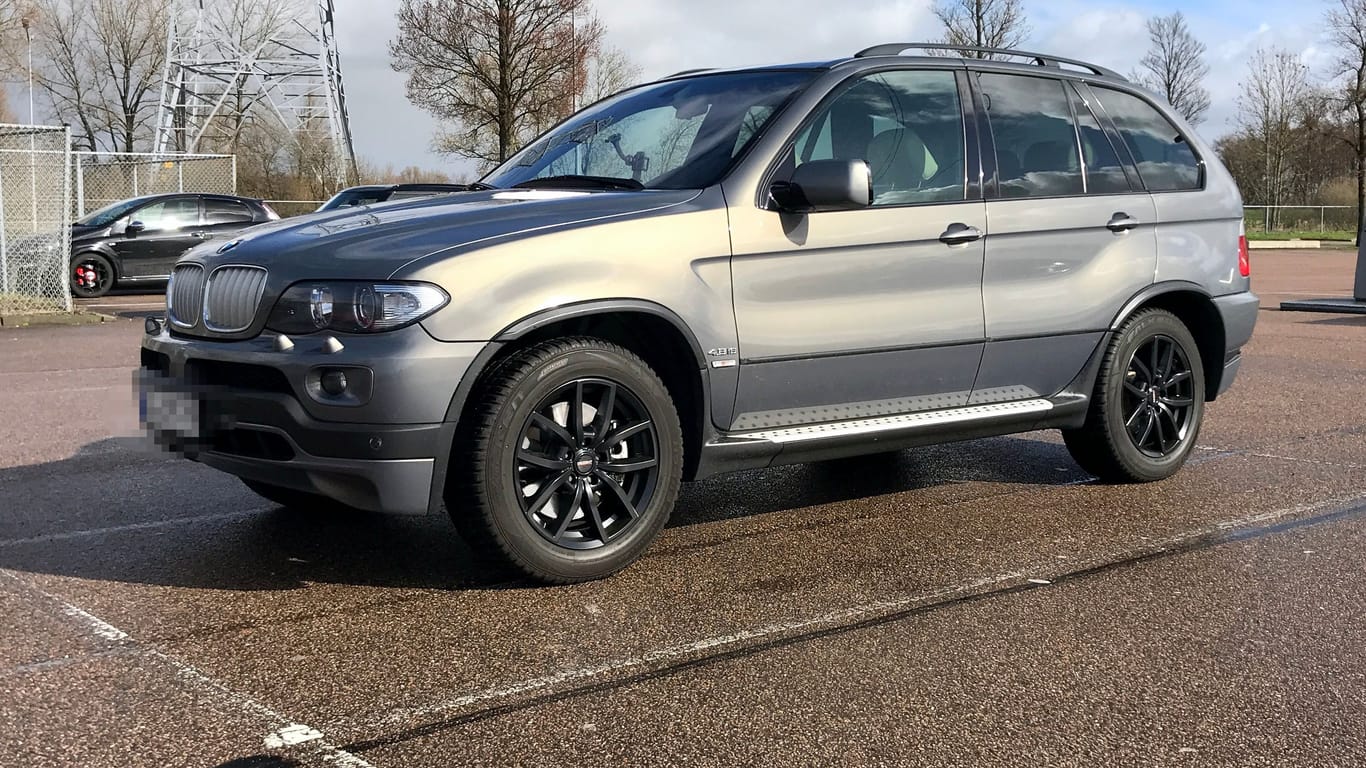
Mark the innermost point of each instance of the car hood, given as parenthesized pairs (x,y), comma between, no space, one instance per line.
(374,242)
(84,232)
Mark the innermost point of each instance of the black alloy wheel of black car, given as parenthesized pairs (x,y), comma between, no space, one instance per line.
(569,462)
(91,275)
(1148,402)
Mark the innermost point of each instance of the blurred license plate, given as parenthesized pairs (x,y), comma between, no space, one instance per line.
(171,412)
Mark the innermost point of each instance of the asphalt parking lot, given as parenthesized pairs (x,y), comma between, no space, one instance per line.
(982,603)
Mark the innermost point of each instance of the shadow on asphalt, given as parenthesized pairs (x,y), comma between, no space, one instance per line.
(1356,321)
(241,542)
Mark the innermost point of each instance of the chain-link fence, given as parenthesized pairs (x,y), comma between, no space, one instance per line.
(1322,221)
(105,178)
(35,218)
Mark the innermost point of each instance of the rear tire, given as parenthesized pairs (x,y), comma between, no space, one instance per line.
(568,463)
(1148,403)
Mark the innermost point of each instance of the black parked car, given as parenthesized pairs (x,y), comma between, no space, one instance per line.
(138,240)
(380,193)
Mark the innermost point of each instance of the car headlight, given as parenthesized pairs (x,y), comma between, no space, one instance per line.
(350,306)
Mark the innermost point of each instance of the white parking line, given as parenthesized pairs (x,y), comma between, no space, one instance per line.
(143,526)
(1041,576)
(286,733)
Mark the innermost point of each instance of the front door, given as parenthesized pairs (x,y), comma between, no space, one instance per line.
(876,311)
(168,227)
(1072,237)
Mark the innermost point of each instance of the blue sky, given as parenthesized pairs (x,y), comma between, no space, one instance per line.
(665,36)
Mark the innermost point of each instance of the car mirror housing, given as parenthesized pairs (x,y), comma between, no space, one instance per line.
(825,185)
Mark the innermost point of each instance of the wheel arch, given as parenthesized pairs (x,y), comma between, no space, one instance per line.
(652,331)
(99,249)
(1195,308)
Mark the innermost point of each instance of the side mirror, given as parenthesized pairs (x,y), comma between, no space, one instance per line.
(134,227)
(825,185)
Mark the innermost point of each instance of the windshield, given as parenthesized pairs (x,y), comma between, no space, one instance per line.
(109,214)
(680,134)
(353,197)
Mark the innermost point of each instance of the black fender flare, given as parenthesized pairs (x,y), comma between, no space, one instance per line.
(99,249)
(1151,292)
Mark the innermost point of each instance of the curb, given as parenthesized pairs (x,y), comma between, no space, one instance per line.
(54,318)
(1285,245)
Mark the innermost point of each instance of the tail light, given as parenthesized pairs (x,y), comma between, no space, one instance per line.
(1244,261)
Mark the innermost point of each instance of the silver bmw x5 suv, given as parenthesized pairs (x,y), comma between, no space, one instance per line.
(718,271)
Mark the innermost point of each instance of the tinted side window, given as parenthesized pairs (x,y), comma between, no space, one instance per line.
(1165,161)
(908,127)
(226,212)
(176,213)
(1036,141)
(1104,171)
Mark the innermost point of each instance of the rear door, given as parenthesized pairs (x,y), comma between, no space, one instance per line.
(223,217)
(1072,236)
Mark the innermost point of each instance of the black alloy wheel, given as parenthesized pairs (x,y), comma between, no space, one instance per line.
(1147,405)
(1159,396)
(567,461)
(91,275)
(587,463)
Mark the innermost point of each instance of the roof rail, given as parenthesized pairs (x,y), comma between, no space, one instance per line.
(1041,59)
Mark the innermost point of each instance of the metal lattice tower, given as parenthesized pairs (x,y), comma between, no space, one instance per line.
(232,61)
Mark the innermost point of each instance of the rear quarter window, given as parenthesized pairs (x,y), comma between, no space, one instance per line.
(1165,159)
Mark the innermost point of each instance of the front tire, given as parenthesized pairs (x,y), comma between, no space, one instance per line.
(92,275)
(1148,403)
(569,463)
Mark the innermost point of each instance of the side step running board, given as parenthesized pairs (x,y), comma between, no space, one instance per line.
(903,422)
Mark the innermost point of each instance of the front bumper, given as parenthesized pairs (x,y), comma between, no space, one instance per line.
(253,408)
(1238,311)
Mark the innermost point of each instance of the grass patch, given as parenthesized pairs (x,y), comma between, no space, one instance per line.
(1332,234)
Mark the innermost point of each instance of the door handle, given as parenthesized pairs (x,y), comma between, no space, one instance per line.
(959,233)
(1121,222)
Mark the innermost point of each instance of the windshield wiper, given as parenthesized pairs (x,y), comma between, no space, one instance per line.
(478,186)
(571,181)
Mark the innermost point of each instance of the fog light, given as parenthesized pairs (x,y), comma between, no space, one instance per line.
(333,383)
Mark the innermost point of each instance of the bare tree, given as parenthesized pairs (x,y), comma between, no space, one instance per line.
(98,64)
(1271,111)
(1347,30)
(1175,67)
(130,51)
(983,24)
(11,36)
(501,70)
(609,72)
